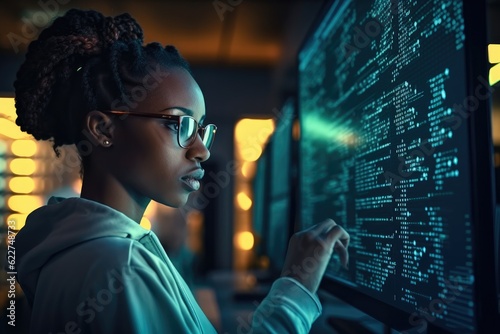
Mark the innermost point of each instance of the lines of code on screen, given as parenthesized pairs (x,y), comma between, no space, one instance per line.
(384,151)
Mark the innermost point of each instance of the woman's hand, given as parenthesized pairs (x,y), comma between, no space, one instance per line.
(310,250)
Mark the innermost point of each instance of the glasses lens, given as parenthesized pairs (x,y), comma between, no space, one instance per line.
(187,130)
(209,135)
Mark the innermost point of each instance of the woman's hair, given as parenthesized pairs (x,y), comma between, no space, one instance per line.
(84,61)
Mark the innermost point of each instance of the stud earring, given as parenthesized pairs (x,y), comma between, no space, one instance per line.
(106,142)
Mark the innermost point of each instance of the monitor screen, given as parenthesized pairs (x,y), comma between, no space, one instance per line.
(396,147)
(281,151)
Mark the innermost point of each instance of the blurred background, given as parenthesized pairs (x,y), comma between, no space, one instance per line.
(243,55)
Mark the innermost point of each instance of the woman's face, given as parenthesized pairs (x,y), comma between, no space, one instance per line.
(146,155)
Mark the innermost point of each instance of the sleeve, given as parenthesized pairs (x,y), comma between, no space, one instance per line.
(288,308)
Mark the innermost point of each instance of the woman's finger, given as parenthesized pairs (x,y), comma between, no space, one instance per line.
(322,228)
(341,250)
(340,240)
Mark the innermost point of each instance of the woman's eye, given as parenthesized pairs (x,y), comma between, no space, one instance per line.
(172,126)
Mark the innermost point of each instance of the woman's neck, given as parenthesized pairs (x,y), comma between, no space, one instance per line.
(104,188)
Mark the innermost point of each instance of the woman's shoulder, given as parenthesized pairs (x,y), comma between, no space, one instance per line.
(106,254)
(92,263)
(112,251)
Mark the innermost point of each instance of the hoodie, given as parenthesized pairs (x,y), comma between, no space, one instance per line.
(88,268)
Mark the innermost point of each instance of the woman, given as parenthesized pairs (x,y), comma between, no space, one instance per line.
(136,116)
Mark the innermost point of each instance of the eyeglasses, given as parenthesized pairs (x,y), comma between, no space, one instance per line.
(187,127)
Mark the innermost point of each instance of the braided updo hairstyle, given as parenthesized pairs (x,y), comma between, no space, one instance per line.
(84,61)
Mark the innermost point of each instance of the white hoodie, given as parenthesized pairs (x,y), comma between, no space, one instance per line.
(87,268)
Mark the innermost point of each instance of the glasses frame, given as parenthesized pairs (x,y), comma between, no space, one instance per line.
(175,118)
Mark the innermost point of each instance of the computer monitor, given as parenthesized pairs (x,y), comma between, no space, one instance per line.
(260,185)
(273,191)
(280,223)
(395,146)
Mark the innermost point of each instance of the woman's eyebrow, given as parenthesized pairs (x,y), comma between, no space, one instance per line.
(185,110)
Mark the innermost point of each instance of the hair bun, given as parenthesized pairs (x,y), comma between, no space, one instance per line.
(121,28)
(80,63)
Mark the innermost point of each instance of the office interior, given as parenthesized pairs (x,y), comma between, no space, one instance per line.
(243,54)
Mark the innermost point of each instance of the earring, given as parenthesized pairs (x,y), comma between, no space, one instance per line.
(106,142)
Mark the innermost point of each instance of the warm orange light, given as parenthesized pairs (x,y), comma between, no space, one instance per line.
(254,130)
(494,75)
(251,135)
(22,185)
(22,166)
(494,58)
(244,240)
(296,130)
(494,53)
(76,185)
(244,201)
(24,147)
(151,209)
(11,130)
(24,203)
(146,223)
(251,153)
(8,107)
(8,120)
(18,219)
(248,169)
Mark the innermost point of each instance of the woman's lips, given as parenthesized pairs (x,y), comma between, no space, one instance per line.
(191,183)
(192,180)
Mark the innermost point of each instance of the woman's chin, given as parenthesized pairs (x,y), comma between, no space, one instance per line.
(173,202)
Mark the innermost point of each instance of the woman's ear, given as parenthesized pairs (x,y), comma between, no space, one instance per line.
(100,127)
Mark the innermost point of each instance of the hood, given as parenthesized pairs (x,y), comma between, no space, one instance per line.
(61,224)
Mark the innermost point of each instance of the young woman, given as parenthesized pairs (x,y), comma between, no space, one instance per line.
(136,115)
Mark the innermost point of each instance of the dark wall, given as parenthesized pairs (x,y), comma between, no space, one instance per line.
(9,63)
